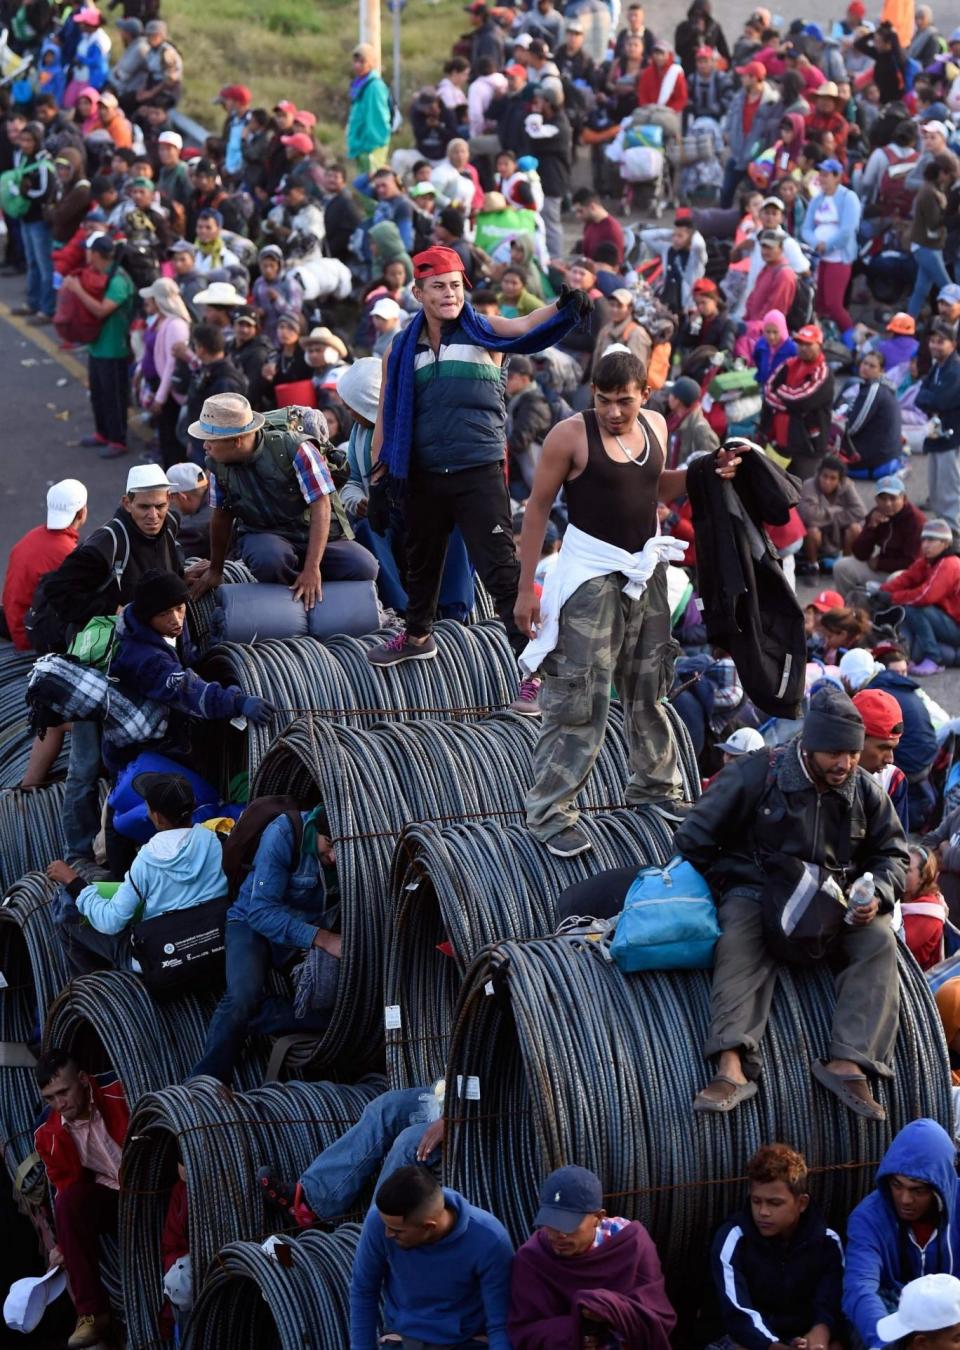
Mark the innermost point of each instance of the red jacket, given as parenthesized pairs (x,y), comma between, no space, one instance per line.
(648,88)
(924,583)
(40,550)
(54,1143)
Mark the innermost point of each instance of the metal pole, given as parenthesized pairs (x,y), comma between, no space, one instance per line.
(395,6)
(369,14)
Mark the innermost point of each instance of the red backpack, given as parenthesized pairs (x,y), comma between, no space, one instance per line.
(72,320)
(894,198)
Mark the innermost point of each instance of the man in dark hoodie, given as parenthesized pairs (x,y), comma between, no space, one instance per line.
(585,1278)
(777,1268)
(810,802)
(96,579)
(908,1226)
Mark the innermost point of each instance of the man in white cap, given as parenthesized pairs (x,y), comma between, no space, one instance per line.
(41,550)
(743,741)
(928,1315)
(96,579)
(273,481)
(190,507)
(387,319)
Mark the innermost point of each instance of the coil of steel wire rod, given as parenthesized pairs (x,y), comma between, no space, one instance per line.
(251,1302)
(560,1058)
(469,885)
(31,830)
(221,1138)
(373,783)
(110,1021)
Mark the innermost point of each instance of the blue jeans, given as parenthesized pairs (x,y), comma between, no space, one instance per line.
(732,178)
(270,557)
(244,1009)
(932,633)
(333,1182)
(81,799)
(931,275)
(36,248)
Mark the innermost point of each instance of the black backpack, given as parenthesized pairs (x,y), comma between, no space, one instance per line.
(44,626)
(801,311)
(241,844)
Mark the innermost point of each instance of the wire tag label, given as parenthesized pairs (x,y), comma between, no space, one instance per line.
(488,988)
(472,1089)
(391,1017)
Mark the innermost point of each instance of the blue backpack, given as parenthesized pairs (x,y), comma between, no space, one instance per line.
(668,921)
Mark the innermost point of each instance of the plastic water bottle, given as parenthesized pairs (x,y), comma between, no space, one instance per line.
(860,896)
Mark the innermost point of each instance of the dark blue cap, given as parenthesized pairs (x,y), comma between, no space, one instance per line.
(566,1198)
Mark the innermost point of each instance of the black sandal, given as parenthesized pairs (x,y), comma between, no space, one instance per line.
(280,1194)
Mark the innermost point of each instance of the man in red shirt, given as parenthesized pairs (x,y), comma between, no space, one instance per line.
(41,550)
(80,1144)
(598,225)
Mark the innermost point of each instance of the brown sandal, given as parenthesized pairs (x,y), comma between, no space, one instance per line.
(851,1089)
(739,1092)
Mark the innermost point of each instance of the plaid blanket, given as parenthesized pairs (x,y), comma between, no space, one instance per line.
(62,690)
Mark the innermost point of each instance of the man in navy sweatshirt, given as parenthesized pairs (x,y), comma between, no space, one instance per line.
(442,1265)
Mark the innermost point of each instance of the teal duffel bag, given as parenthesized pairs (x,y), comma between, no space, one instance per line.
(668,921)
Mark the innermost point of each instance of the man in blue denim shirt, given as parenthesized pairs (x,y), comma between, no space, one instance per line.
(282,907)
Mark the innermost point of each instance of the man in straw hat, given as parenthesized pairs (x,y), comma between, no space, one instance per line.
(274,481)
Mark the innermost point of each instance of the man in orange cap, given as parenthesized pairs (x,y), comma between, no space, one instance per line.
(882,728)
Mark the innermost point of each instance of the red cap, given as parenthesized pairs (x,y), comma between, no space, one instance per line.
(881,713)
(516,71)
(755,68)
(827,600)
(285,106)
(683,216)
(436,261)
(810,332)
(707,52)
(305,117)
(857,9)
(704,286)
(301,141)
(239,93)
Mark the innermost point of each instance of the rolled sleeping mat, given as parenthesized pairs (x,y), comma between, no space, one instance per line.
(250,612)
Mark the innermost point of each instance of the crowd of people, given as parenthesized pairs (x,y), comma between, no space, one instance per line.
(422,365)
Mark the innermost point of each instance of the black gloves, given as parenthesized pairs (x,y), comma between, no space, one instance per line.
(579,299)
(378,505)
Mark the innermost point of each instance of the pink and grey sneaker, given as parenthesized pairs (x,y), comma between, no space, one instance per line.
(400,648)
(527,702)
(925,667)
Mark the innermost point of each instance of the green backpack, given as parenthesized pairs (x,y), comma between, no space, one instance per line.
(13,202)
(94,644)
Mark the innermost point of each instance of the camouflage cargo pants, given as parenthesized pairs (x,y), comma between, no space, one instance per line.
(605,638)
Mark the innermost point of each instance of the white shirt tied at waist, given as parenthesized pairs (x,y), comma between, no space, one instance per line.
(581,558)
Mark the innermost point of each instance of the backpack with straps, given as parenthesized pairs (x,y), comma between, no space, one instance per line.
(801,310)
(44,626)
(241,844)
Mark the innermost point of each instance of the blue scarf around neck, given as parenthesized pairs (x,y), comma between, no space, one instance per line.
(398,402)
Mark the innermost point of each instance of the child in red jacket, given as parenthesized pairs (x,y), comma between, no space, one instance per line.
(924,908)
(175,1252)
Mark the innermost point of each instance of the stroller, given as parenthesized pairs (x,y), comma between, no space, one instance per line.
(701,165)
(647,151)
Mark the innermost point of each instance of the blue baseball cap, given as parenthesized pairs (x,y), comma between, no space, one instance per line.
(566,1198)
(830,166)
(891,486)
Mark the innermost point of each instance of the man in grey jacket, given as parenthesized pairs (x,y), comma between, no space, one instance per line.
(750,126)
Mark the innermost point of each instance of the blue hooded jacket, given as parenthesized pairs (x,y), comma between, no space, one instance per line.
(882,1252)
(284,897)
(148,666)
(918,744)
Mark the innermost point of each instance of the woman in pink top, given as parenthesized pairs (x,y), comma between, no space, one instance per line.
(172,326)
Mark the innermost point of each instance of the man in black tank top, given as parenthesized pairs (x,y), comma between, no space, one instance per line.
(610,461)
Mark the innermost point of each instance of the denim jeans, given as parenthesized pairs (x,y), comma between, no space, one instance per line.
(931,275)
(732,178)
(334,1181)
(932,633)
(244,1009)
(87,950)
(81,805)
(36,247)
(272,558)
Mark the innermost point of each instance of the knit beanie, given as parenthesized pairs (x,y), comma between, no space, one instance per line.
(686,390)
(156,592)
(833,724)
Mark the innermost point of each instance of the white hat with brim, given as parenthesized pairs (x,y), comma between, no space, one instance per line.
(186,477)
(147,478)
(64,500)
(359,387)
(931,1303)
(219,293)
(743,742)
(28,1299)
(224,416)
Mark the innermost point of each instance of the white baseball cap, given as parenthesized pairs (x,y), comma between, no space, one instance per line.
(185,477)
(743,742)
(144,477)
(931,1303)
(170,138)
(385,308)
(64,500)
(27,1300)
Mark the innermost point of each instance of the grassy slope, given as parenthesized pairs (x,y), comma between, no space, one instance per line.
(300,49)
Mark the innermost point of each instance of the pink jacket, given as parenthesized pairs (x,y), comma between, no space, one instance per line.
(169,332)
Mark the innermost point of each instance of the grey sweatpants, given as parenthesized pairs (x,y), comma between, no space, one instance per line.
(943,486)
(867,1012)
(605,638)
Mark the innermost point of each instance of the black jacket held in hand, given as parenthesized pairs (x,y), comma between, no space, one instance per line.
(771,1289)
(745,818)
(748,606)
